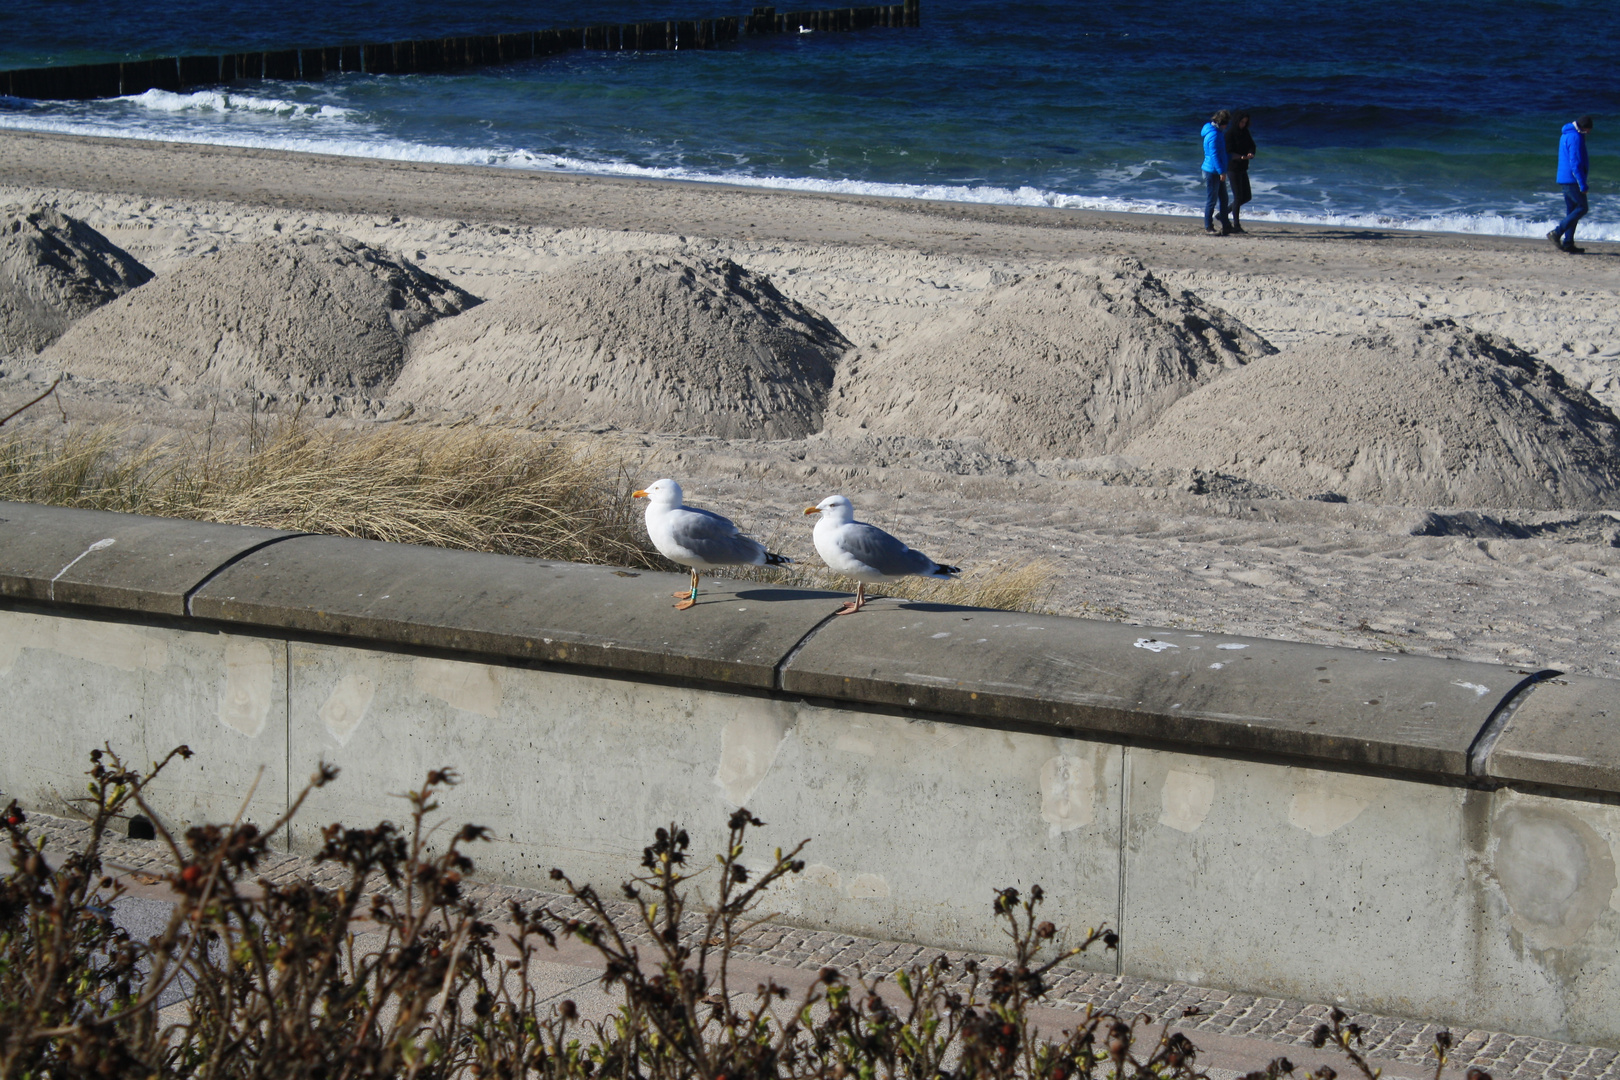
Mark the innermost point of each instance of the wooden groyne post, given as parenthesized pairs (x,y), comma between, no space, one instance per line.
(84,82)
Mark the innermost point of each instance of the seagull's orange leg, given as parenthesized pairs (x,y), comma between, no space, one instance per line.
(852,606)
(691,597)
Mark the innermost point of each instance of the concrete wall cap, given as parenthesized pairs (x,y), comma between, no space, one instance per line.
(1172,687)
(499,605)
(1565,733)
(105,559)
(1408,713)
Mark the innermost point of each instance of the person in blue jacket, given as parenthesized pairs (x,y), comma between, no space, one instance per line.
(1572,178)
(1215,171)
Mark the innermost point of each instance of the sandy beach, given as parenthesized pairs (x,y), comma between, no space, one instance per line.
(1152,511)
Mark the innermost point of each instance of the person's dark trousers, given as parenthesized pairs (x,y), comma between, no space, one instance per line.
(1574,210)
(1217,193)
(1241,192)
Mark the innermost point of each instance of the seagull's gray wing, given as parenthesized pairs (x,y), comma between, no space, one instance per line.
(714,539)
(882,552)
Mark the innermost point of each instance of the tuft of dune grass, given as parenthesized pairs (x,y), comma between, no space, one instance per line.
(480,490)
(507,492)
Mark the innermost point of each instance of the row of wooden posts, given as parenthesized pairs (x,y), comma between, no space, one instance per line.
(82,82)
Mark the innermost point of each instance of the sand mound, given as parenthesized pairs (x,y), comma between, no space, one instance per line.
(1069,363)
(1432,415)
(671,344)
(326,312)
(53,270)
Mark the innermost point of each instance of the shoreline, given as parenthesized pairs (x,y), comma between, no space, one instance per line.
(317,182)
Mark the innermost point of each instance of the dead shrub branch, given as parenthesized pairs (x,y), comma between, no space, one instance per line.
(387,969)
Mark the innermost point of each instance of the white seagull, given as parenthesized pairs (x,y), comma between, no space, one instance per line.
(697,538)
(865,552)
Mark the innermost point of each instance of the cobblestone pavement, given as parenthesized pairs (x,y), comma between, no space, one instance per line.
(1284,1022)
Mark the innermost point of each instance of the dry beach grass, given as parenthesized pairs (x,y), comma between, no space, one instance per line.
(477,489)
(506,492)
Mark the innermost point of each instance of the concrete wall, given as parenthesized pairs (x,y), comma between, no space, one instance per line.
(1402,834)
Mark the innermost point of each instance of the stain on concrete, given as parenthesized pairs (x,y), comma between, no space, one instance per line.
(748,747)
(11,642)
(126,648)
(123,647)
(346,705)
(1555,870)
(868,887)
(860,887)
(929,735)
(474,688)
(1186,799)
(1609,827)
(99,545)
(1320,809)
(821,874)
(249,691)
(1068,793)
(851,743)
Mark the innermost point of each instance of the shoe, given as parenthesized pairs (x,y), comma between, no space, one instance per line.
(1210,229)
(1239,229)
(1573,250)
(1557,240)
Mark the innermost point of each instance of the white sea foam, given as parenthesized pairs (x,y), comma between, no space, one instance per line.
(346,138)
(359,144)
(224,102)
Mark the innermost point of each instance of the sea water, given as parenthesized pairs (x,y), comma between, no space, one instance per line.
(1428,114)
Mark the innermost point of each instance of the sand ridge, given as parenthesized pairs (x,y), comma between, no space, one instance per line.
(55,269)
(314,312)
(672,344)
(1431,414)
(1069,362)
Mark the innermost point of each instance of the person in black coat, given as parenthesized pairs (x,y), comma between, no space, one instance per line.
(1239,152)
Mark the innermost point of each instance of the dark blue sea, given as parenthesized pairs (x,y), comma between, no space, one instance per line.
(1427,114)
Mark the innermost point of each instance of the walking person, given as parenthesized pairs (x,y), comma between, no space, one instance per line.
(1215,171)
(1239,152)
(1572,178)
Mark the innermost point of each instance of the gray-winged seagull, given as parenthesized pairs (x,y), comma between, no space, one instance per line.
(865,552)
(698,538)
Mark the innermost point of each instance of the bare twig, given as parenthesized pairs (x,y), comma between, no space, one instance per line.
(279,988)
(35,401)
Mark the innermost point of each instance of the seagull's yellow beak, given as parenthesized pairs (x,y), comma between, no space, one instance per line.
(638,495)
(812,509)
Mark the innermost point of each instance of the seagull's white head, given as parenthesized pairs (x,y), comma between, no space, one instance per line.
(834,508)
(665,493)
